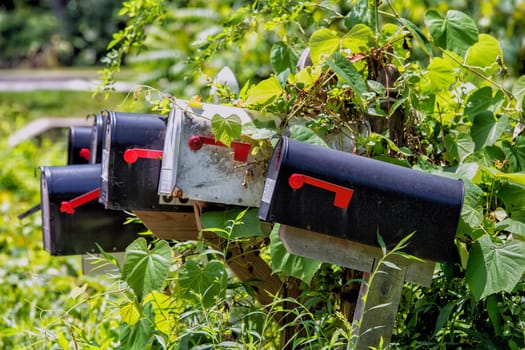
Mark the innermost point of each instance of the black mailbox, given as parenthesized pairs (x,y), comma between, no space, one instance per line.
(354,198)
(131,162)
(73,221)
(79,140)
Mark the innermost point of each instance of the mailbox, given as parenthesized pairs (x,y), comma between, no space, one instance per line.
(96,141)
(197,166)
(355,198)
(79,139)
(131,161)
(73,221)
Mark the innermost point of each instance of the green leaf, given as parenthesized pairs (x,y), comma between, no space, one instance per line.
(459,146)
(484,54)
(360,14)
(129,313)
(226,129)
(286,264)
(203,283)
(518,91)
(473,217)
(481,101)
(249,226)
(323,42)
(145,270)
(517,178)
(347,72)
(456,32)
(138,336)
(283,57)
(357,38)
(494,313)
(264,91)
(493,268)
(513,226)
(515,153)
(418,34)
(486,129)
(513,196)
(305,134)
(444,314)
(441,74)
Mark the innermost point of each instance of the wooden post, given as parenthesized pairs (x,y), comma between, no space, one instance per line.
(377,306)
(373,318)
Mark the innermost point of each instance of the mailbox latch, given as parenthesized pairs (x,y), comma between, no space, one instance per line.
(343,195)
(69,206)
(240,150)
(133,154)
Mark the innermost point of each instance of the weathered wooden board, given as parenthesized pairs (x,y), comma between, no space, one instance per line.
(349,254)
(177,226)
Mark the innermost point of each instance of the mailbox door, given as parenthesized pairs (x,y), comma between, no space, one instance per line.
(91,224)
(356,198)
(78,151)
(96,141)
(128,185)
(198,167)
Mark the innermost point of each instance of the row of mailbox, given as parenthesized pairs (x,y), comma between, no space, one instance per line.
(128,161)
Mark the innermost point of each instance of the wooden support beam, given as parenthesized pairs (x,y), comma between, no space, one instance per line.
(377,306)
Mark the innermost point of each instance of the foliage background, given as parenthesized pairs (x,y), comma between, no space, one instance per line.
(55,307)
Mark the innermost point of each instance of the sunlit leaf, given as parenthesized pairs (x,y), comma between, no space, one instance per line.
(323,42)
(484,54)
(264,91)
(517,178)
(136,337)
(226,129)
(493,268)
(441,74)
(455,32)
(145,270)
(129,313)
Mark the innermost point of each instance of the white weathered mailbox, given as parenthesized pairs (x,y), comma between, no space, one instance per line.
(197,166)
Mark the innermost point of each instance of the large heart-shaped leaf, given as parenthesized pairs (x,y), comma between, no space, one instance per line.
(455,32)
(323,42)
(486,129)
(226,129)
(203,283)
(493,268)
(484,54)
(145,270)
(481,101)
